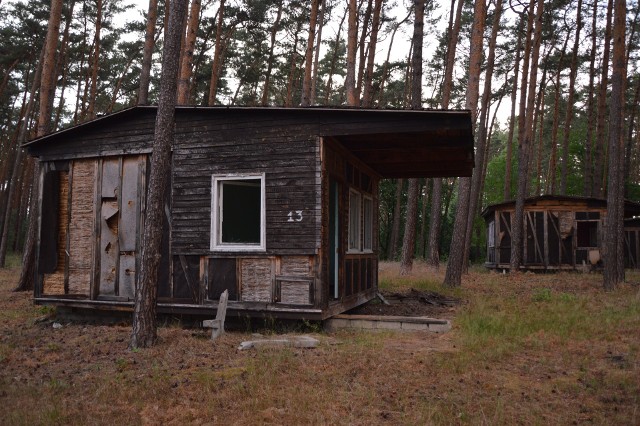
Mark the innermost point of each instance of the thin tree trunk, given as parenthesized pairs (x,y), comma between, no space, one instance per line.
(397,218)
(334,59)
(367,96)
(147,55)
(316,60)
(601,127)
(385,66)
(568,118)
(144,330)
(435,223)
(17,160)
(409,240)
(588,161)
(525,134)
(47,80)
(217,57)
(350,79)
(308,56)
(556,119)
(482,140)
(96,62)
(512,119)
(267,76)
(293,66)
(186,67)
(361,47)
(453,275)
(423,222)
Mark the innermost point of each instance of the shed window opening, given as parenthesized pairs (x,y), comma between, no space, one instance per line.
(238,213)
(587,233)
(355,203)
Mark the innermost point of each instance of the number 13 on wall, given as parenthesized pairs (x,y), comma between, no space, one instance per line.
(295,216)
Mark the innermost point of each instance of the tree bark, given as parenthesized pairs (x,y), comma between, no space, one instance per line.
(556,122)
(367,95)
(453,275)
(568,118)
(482,140)
(361,47)
(272,45)
(525,131)
(186,66)
(350,79)
(385,66)
(47,81)
(316,57)
(144,330)
(308,56)
(147,55)
(435,217)
(614,223)
(397,219)
(217,57)
(409,240)
(95,63)
(601,126)
(334,59)
(512,119)
(588,160)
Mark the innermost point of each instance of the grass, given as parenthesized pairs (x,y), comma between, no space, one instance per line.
(525,349)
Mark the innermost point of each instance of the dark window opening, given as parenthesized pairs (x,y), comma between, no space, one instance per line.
(240,209)
(587,233)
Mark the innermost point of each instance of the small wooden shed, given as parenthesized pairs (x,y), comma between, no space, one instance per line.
(279,206)
(560,232)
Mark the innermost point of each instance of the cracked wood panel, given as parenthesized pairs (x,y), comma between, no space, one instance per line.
(81,226)
(256,279)
(53,284)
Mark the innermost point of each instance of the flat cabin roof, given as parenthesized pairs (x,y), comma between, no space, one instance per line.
(570,202)
(394,143)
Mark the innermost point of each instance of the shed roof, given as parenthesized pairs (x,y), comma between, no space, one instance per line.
(394,143)
(631,208)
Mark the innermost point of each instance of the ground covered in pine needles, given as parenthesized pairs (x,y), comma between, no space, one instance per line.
(524,349)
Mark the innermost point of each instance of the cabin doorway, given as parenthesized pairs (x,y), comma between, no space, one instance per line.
(334,238)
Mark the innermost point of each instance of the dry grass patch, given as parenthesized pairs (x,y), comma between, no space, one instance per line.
(525,349)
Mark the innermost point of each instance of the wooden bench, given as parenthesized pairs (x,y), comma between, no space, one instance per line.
(217,325)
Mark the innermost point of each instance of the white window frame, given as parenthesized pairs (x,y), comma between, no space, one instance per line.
(366,249)
(358,248)
(216,225)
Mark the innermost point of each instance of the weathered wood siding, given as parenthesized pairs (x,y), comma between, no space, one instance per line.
(81,226)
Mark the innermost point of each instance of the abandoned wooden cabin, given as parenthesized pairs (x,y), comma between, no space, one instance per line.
(276,205)
(632,243)
(560,232)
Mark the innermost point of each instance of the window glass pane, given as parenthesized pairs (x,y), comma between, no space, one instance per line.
(354,221)
(240,211)
(368,223)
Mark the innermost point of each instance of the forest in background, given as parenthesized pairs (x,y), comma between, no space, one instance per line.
(545,77)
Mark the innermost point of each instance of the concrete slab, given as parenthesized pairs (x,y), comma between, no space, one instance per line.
(381,322)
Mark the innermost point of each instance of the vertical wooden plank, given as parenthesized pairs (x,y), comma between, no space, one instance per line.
(127,276)
(109,249)
(545,237)
(110,187)
(97,202)
(128,231)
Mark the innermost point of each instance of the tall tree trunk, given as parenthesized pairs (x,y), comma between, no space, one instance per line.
(217,57)
(525,131)
(397,218)
(186,66)
(63,62)
(409,240)
(600,145)
(334,59)
(385,66)
(316,57)
(423,223)
(272,45)
(308,56)
(367,95)
(453,275)
(147,55)
(588,160)
(512,120)
(350,79)
(482,140)
(435,217)
(568,118)
(144,330)
(614,223)
(293,66)
(47,81)
(95,62)
(556,117)
(18,159)
(361,47)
